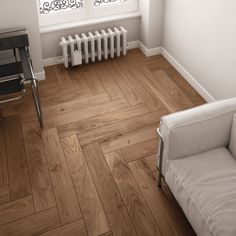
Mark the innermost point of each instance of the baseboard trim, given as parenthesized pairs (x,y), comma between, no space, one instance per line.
(149,52)
(40,75)
(131,45)
(187,76)
(51,61)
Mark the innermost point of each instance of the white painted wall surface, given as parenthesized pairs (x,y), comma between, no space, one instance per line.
(148,29)
(151,23)
(156,14)
(144,28)
(201,36)
(50,41)
(24,13)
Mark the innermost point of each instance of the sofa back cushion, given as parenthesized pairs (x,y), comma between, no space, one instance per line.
(232,144)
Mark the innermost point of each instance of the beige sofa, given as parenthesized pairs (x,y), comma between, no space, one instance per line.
(197,160)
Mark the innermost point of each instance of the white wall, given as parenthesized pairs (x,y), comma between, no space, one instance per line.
(147,29)
(151,23)
(50,41)
(24,13)
(201,36)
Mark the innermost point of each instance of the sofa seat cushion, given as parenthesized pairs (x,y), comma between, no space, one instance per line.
(205,187)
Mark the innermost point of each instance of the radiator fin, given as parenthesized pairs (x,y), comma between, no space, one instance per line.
(94,46)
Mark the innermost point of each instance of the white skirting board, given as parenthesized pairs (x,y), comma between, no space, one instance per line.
(40,75)
(151,52)
(187,76)
(52,61)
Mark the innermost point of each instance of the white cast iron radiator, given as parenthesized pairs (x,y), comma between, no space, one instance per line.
(94,46)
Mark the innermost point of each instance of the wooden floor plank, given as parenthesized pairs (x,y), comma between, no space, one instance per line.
(108,82)
(4,194)
(160,92)
(93,81)
(115,210)
(107,234)
(140,150)
(60,95)
(137,208)
(136,59)
(127,88)
(76,228)
(176,93)
(102,120)
(70,106)
(17,163)
(59,84)
(189,91)
(65,118)
(152,162)
(128,139)
(161,210)
(91,207)
(143,90)
(25,104)
(65,195)
(159,63)
(177,79)
(1,112)
(38,171)
(3,156)
(15,210)
(62,76)
(101,134)
(32,225)
(53,92)
(78,81)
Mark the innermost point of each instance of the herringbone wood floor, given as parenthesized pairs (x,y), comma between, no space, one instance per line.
(91,170)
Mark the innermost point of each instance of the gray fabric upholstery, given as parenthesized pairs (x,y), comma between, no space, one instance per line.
(199,165)
(232,145)
(205,187)
(197,130)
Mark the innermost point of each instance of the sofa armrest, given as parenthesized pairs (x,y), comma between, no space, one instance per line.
(197,130)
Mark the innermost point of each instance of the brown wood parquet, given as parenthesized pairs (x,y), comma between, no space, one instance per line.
(92,169)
